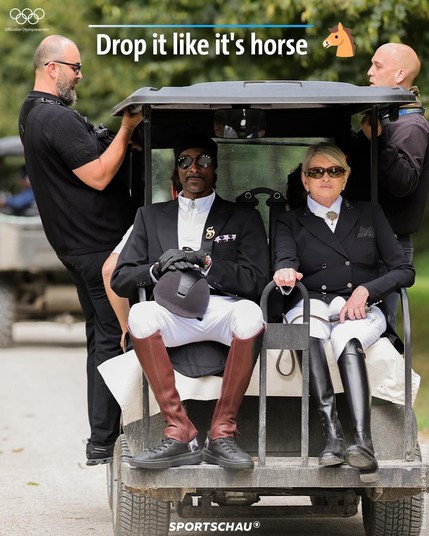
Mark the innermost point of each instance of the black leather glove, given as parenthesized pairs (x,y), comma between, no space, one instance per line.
(168,258)
(155,271)
(196,257)
(179,259)
(184,265)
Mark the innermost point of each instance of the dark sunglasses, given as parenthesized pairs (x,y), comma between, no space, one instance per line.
(202,160)
(317,172)
(75,66)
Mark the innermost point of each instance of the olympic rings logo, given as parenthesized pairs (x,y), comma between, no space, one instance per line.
(26,15)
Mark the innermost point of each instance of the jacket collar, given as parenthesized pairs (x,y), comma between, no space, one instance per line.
(317,227)
(167,223)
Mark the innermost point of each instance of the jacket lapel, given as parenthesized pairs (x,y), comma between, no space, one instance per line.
(167,225)
(318,228)
(216,219)
(348,218)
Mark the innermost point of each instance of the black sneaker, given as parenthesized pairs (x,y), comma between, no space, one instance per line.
(169,453)
(98,454)
(226,453)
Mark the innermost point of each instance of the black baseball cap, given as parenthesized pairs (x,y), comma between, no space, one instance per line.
(196,139)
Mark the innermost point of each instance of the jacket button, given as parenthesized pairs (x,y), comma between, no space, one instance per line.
(324,265)
(349,285)
(347,263)
(324,287)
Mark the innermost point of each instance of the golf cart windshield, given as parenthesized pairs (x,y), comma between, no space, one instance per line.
(262,128)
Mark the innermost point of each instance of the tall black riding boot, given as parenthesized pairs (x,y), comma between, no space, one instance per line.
(351,364)
(322,392)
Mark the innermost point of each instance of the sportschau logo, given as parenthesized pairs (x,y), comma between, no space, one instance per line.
(26,15)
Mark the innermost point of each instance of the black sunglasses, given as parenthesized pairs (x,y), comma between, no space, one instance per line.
(202,160)
(75,66)
(317,172)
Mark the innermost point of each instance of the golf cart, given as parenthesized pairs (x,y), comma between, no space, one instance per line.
(263,129)
(33,282)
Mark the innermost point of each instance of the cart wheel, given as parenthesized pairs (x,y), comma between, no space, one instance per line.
(135,514)
(402,517)
(7,313)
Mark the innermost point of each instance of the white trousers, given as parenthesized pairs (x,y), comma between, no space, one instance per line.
(224,318)
(366,330)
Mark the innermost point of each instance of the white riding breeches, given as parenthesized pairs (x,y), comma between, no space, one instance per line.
(224,318)
(366,330)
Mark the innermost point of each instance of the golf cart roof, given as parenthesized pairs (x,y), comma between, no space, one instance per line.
(267,94)
(285,108)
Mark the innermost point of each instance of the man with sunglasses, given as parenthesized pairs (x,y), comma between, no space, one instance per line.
(85,208)
(228,244)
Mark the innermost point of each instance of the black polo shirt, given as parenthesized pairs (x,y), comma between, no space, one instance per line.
(77,218)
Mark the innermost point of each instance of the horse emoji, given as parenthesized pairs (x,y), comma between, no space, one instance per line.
(343,39)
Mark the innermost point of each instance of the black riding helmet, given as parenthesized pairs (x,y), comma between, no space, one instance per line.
(184,293)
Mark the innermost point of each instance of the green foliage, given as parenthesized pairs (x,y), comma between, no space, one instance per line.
(419,305)
(108,78)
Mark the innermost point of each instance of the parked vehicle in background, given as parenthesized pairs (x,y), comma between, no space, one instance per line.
(33,282)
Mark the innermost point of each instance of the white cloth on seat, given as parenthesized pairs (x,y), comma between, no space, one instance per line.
(386,371)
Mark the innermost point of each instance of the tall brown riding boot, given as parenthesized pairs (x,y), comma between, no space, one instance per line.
(354,377)
(220,448)
(178,447)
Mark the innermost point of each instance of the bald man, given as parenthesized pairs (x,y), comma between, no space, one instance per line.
(394,64)
(85,209)
(403,155)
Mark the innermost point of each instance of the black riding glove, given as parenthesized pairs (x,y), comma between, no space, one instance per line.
(182,266)
(179,259)
(196,257)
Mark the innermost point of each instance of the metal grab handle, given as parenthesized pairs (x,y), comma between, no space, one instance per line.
(262,439)
(271,286)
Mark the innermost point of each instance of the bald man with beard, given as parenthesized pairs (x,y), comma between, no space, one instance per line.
(85,209)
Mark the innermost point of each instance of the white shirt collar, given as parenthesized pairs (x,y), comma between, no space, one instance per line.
(320,210)
(202,204)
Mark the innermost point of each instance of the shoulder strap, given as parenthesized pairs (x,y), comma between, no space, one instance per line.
(29,108)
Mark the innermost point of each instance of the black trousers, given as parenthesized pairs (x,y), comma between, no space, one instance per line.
(103,336)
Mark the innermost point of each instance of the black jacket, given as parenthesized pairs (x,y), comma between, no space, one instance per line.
(403,167)
(234,234)
(334,264)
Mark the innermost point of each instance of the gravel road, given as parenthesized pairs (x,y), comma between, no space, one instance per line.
(45,486)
